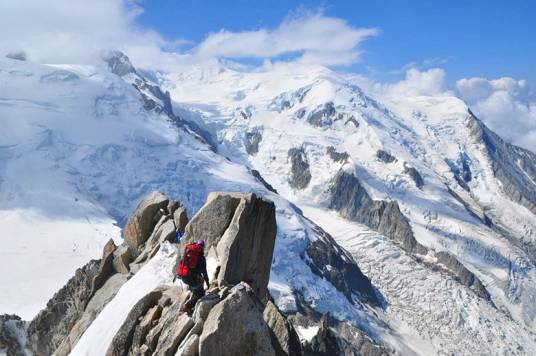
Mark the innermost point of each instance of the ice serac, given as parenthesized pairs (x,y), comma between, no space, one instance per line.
(351,200)
(513,166)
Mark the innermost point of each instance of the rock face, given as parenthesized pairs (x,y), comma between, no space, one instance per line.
(140,224)
(246,248)
(414,175)
(324,115)
(240,313)
(300,175)
(341,341)
(464,276)
(11,326)
(385,156)
(252,140)
(353,202)
(337,266)
(48,329)
(337,156)
(284,338)
(513,166)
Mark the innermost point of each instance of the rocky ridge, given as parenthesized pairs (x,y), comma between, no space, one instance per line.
(240,231)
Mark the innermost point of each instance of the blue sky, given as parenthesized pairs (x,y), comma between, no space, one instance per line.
(467,38)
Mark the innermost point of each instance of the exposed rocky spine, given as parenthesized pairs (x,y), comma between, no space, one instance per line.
(414,175)
(352,201)
(337,265)
(513,166)
(385,156)
(463,275)
(300,174)
(252,140)
(337,156)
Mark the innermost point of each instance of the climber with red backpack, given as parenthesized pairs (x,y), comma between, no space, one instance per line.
(192,271)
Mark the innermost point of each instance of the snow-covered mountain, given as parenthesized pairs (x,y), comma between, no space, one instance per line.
(436,209)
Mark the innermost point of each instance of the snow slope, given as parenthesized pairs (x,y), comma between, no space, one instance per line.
(430,134)
(97,150)
(79,147)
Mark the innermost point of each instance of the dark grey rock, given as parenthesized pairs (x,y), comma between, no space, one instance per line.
(300,174)
(324,115)
(414,175)
(385,156)
(337,156)
(352,201)
(259,178)
(329,260)
(122,340)
(463,275)
(252,140)
(52,325)
(10,327)
(513,166)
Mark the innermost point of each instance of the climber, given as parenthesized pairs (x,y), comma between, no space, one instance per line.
(192,271)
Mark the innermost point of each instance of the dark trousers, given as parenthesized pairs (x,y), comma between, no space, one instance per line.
(195,285)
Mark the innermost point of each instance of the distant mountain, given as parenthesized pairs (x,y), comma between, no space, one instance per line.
(414,194)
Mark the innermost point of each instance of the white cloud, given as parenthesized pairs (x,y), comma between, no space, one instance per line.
(313,38)
(416,82)
(67,31)
(506,105)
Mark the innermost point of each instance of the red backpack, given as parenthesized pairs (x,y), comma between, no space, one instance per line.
(189,259)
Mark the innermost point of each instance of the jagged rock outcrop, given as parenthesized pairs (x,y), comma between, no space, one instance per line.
(323,115)
(414,175)
(240,231)
(284,338)
(463,275)
(330,261)
(300,174)
(242,314)
(385,156)
(344,340)
(153,97)
(52,325)
(513,166)
(142,222)
(255,173)
(237,311)
(352,201)
(252,140)
(11,327)
(337,156)
(242,228)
